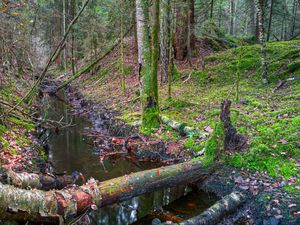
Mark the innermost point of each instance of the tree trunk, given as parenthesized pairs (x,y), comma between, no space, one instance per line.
(64,19)
(148,63)
(40,181)
(294,18)
(61,206)
(73,11)
(253,18)
(185,9)
(216,212)
(165,28)
(232,12)
(261,36)
(211,8)
(189,24)
(270,20)
(123,85)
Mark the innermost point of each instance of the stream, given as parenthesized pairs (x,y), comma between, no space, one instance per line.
(71,150)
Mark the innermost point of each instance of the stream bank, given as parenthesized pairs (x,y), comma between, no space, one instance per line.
(263,206)
(98,146)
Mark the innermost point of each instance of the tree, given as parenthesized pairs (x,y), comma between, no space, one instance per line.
(184,34)
(261,38)
(165,27)
(232,15)
(148,63)
(270,20)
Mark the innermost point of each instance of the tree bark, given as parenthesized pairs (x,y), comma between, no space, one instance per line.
(40,181)
(216,212)
(61,206)
(261,36)
(294,18)
(184,15)
(232,15)
(270,20)
(182,128)
(165,28)
(232,141)
(148,63)
(211,9)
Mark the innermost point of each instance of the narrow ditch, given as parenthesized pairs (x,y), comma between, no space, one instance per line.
(70,150)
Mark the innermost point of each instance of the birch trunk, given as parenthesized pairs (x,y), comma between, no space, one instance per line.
(148,63)
(261,36)
(61,206)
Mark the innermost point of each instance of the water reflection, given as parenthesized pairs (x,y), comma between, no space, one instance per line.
(70,150)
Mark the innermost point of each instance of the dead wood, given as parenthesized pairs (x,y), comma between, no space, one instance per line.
(216,212)
(63,205)
(43,181)
(232,141)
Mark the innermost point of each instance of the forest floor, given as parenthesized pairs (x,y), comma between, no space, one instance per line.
(19,145)
(268,170)
(268,116)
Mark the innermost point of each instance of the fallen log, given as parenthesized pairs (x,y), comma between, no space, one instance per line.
(182,128)
(43,181)
(216,212)
(58,206)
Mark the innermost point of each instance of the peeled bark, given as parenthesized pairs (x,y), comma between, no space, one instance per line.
(62,206)
(41,181)
(180,127)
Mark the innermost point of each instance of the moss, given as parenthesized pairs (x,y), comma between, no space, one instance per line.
(128,70)
(200,76)
(293,66)
(176,73)
(27,125)
(192,144)
(292,189)
(178,104)
(273,145)
(214,144)
(150,120)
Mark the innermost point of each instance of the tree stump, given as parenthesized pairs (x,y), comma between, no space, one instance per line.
(232,141)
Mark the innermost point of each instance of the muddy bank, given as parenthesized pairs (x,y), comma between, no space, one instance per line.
(113,136)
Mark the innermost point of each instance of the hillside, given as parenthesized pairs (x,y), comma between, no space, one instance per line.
(270,119)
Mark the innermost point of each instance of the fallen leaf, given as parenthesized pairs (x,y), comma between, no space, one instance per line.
(283,141)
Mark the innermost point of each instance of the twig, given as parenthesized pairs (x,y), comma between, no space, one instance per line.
(189,77)
(283,82)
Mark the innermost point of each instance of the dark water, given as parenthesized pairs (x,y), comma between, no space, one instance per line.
(70,150)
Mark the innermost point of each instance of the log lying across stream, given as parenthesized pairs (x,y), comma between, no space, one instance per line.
(62,205)
(43,181)
(216,212)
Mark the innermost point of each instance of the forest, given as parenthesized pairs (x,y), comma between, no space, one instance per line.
(150,112)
